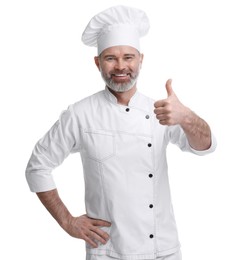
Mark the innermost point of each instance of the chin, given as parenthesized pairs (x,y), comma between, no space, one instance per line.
(121,89)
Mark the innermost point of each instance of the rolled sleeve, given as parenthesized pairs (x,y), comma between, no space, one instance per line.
(50,151)
(207,151)
(177,136)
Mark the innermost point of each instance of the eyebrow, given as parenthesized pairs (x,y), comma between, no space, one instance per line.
(130,54)
(114,56)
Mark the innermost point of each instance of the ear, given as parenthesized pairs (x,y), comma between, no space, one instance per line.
(141,59)
(97,62)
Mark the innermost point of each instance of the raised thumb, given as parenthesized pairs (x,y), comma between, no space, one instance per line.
(169,88)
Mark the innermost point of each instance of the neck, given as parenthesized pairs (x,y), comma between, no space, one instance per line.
(123,98)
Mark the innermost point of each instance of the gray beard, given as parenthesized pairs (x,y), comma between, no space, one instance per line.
(119,87)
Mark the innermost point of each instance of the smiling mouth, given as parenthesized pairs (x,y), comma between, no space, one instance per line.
(121,75)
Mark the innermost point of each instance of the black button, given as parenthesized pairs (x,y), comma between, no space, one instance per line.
(151,236)
(151,206)
(127,109)
(149,145)
(150,175)
(147,116)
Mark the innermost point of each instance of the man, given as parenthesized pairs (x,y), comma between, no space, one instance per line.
(122,137)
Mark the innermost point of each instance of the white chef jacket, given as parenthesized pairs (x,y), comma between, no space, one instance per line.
(123,151)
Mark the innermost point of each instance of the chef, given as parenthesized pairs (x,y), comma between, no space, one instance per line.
(122,137)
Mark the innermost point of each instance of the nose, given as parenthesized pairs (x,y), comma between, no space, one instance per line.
(120,65)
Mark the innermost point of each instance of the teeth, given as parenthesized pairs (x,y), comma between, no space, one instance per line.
(120,75)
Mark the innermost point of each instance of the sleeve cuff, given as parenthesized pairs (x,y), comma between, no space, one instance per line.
(40,181)
(209,150)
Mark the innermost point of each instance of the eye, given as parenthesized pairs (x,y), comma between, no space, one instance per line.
(129,57)
(110,58)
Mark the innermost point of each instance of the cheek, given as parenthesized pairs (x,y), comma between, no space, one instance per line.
(136,68)
(106,69)
(136,65)
(105,73)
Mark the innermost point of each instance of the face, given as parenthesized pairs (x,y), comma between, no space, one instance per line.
(120,67)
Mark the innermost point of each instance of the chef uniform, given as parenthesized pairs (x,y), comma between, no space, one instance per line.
(123,152)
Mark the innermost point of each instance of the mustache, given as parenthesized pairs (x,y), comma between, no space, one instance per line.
(120,72)
(117,72)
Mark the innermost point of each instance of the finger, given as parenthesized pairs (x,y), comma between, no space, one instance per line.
(101,233)
(162,110)
(103,238)
(90,242)
(163,122)
(169,88)
(162,117)
(160,103)
(101,223)
(159,110)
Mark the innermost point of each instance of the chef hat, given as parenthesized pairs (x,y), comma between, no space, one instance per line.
(118,25)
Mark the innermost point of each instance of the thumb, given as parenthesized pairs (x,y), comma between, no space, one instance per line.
(169,88)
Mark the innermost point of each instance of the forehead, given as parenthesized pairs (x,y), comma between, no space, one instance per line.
(120,51)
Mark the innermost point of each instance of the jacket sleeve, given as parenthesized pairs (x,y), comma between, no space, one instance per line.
(51,150)
(176,135)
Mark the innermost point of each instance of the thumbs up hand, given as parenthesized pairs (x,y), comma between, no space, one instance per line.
(170,111)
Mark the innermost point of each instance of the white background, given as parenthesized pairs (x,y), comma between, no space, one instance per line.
(44,67)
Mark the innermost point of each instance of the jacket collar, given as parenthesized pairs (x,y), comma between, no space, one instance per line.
(134,101)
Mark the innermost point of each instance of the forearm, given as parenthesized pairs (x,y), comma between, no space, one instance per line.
(81,227)
(53,203)
(197,131)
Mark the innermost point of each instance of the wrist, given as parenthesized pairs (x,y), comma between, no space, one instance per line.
(187,118)
(66,221)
